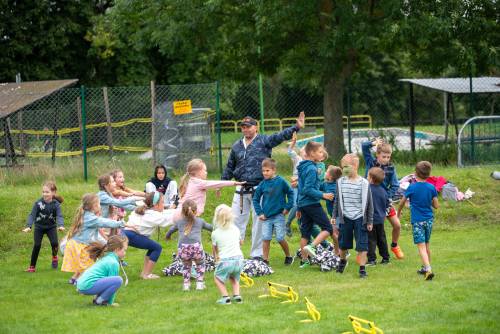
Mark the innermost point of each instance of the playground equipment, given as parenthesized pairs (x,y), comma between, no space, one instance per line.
(312,311)
(357,326)
(290,295)
(246,281)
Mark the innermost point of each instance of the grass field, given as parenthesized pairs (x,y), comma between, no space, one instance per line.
(463,298)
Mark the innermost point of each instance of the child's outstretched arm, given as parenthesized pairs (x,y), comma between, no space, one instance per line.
(171,231)
(59,217)
(216,184)
(31,217)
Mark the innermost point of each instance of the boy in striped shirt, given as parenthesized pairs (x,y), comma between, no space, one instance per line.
(353,210)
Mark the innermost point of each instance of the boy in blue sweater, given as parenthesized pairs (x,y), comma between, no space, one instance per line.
(376,237)
(390,184)
(309,209)
(423,197)
(272,200)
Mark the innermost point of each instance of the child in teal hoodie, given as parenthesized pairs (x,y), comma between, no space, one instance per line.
(310,210)
(103,279)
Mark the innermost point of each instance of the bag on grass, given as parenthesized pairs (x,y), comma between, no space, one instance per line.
(256,268)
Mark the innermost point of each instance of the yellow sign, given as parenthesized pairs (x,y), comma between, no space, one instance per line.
(182,107)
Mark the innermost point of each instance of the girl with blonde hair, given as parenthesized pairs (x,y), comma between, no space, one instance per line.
(226,249)
(83,232)
(194,185)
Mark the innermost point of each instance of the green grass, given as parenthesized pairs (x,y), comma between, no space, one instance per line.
(463,298)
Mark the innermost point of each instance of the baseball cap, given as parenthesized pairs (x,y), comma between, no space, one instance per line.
(247,120)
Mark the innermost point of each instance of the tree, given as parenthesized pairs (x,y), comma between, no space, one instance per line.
(314,45)
(44,39)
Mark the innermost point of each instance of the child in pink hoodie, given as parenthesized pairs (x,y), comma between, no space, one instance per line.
(194,185)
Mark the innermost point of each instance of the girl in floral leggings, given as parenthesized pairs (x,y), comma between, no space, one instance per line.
(189,247)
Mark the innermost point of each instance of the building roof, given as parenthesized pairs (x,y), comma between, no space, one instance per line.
(460,85)
(15,96)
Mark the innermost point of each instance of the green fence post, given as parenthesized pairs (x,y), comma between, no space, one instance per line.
(217,111)
(84,132)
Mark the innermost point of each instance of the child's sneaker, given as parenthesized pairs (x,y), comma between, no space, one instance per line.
(371,263)
(224,301)
(398,253)
(31,269)
(304,264)
(72,281)
(341,267)
(55,262)
(429,275)
(310,250)
(200,286)
(237,299)
(421,271)
(186,286)
(385,261)
(288,260)
(363,274)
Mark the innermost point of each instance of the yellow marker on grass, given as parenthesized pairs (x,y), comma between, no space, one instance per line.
(290,295)
(247,281)
(312,311)
(357,326)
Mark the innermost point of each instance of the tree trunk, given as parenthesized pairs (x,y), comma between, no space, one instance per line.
(333,111)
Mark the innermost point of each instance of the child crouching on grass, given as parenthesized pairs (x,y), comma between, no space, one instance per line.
(226,249)
(103,278)
(423,197)
(83,232)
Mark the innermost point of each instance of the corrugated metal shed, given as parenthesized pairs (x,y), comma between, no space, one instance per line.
(15,96)
(460,85)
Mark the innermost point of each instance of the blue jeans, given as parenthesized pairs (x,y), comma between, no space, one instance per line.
(140,241)
(104,287)
(278,222)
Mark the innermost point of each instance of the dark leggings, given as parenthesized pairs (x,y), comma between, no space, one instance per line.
(140,241)
(37,238)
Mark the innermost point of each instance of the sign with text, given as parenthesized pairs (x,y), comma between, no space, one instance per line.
(182,107)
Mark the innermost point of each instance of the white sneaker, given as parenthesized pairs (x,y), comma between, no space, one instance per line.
(200,286)
(186,287)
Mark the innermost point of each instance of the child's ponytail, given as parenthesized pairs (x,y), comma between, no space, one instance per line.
(98,249)
(89,202)
(193,166)
(149,202)
(189,213)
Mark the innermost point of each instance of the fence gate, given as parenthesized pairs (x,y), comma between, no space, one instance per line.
(479,141)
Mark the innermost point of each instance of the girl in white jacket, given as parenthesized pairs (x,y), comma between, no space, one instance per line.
(145,219)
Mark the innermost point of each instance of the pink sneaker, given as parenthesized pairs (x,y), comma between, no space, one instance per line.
(55,262)
(31,269)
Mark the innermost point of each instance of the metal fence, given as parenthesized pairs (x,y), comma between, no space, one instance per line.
(142,119)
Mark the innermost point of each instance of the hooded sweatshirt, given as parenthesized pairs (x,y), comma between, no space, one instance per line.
(309,184)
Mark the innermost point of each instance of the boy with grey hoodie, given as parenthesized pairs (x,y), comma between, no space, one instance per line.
(353,210)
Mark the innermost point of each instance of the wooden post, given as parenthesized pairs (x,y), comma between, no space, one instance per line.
(153,109)
(108,120)
(10,153)
(22,139)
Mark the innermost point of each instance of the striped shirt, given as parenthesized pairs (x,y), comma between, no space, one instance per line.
(351,196)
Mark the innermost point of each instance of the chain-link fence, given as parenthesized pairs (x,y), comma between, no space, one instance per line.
(409,114)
